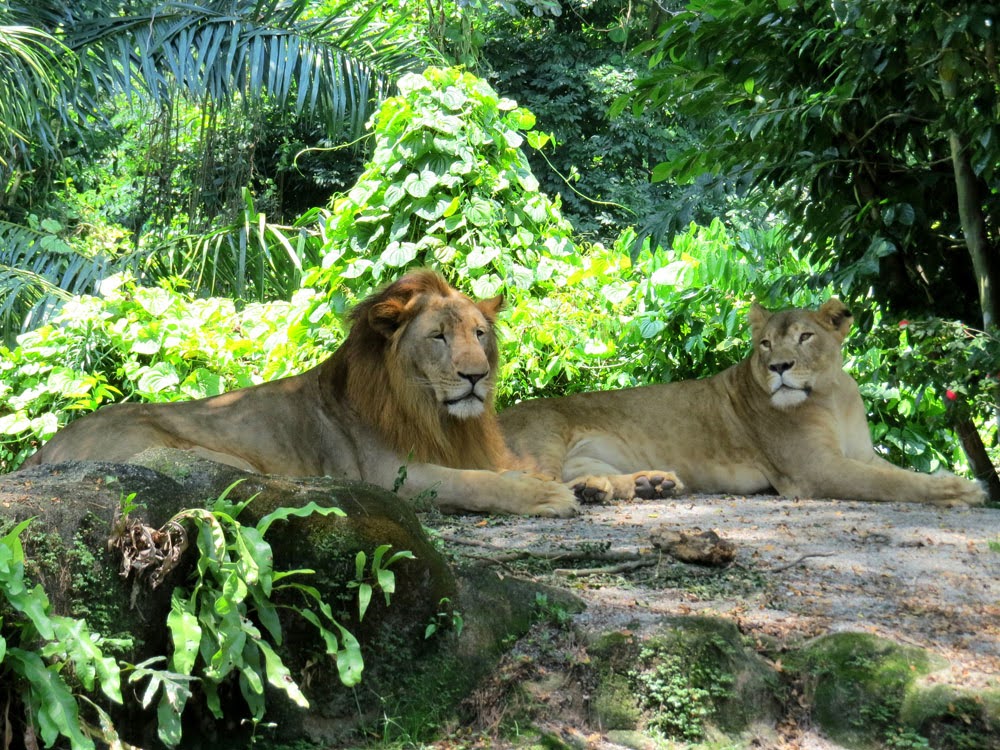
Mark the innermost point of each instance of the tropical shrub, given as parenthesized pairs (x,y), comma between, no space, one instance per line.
(224,626)
(223,622)
(448,186)
(150,344)
(604,321)
(45,657)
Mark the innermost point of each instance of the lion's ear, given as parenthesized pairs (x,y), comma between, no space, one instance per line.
(758,316)
(491,308)
(386,316)
(834,315)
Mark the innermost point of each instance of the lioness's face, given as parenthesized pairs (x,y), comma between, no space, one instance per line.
(797,351)
(450,348)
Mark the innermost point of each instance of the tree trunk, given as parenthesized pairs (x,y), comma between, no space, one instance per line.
(979,460)
(986,265)
(985,261)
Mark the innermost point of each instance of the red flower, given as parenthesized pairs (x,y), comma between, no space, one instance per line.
(950,395)
(904,323)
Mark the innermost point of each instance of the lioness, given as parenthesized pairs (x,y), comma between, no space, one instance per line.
(415,376)
(787,418)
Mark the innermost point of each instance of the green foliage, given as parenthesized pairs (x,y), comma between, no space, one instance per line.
(447,185)
(568,71)
(680,689)
(842,108)
(447,617)
(44,656)
(554,613)
(214,100)
(30,75)
(224,622)
(221,53)
(603,322)
(153,344)
(382,577)
(224,625)
(919,377)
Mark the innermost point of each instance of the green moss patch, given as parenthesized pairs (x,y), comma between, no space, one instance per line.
(857,685)
(692,675)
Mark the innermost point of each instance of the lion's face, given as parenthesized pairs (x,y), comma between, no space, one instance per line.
(450,350)
(441,351)
(796,352)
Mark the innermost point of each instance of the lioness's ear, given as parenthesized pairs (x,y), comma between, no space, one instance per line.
(385,317)
(758,316)
(491,308)
(834,315)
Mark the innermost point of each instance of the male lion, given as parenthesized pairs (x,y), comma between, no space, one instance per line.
(787,418)
(415,376)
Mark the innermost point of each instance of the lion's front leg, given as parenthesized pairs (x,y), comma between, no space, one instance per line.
(480,491)
(641,485)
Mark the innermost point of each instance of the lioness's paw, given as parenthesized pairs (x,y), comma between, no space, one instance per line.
(958,492)
(656,485)
(644,485)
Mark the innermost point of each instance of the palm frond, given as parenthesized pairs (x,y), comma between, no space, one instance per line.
(35,277)
(250,259)
(29,83)
(225,51)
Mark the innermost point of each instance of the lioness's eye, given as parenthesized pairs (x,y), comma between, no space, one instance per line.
(803,338)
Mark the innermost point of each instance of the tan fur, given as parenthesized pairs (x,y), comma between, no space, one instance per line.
(415,377)
(786,419)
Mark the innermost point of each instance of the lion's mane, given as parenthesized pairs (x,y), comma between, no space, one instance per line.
(369,374)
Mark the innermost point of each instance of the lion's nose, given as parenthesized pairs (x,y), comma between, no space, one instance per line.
(472,377)
(780,367)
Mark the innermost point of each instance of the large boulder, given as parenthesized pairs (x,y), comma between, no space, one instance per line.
(75,507)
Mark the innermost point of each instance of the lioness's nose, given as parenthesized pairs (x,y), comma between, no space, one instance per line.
(472,377)
(780,367)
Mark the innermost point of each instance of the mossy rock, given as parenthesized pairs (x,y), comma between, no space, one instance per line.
(496,612)
(66,545)
(408,676)
(952,719)
(691,677)
(869,692)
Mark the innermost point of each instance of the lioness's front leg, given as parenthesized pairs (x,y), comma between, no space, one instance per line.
(878,480)
(641,485)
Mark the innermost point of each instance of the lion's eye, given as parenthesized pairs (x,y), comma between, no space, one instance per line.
(480,333)
(803,338)
(438,337)
(765,344)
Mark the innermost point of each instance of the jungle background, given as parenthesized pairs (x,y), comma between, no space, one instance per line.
(192,196)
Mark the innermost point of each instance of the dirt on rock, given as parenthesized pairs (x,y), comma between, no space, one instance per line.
(916,574)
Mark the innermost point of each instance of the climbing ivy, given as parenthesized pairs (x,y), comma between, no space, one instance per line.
(447,185)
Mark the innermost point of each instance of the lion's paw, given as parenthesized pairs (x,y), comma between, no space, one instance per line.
(593,489)
(656,485)
(537,495)
(556,501)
